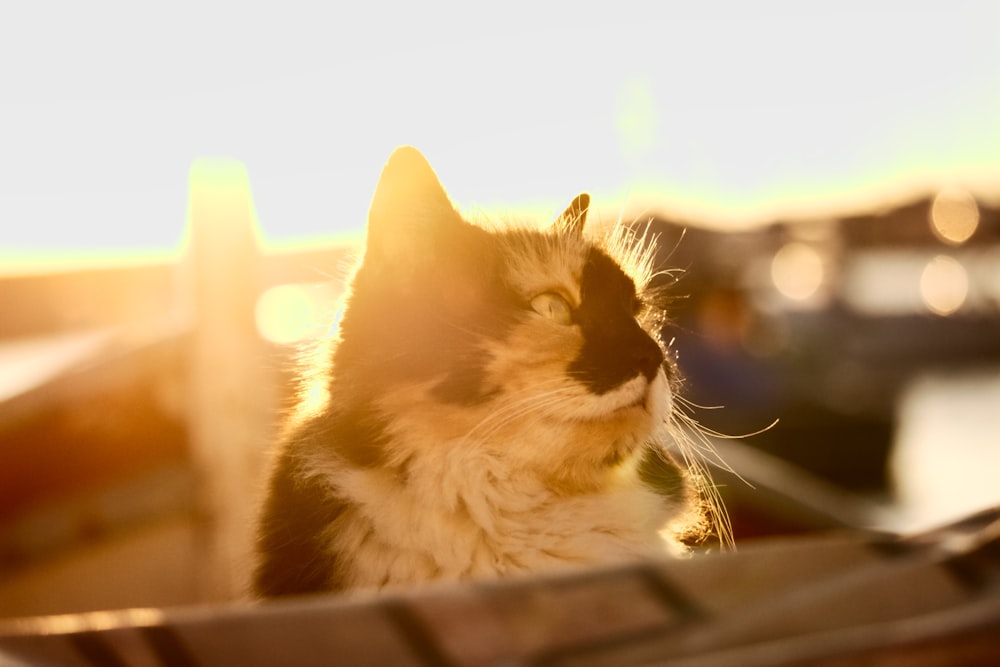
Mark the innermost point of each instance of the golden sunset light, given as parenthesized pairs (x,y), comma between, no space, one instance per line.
(295,312)
(350,307)
(731,115)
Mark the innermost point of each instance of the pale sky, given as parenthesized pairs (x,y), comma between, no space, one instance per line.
(731,111)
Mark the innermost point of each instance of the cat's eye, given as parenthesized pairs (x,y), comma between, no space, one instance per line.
(553,306)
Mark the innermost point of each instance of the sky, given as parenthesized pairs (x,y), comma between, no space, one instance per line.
(729,113)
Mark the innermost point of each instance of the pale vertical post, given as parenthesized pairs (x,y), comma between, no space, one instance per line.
(229,393)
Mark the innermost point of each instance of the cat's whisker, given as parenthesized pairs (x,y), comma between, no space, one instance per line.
(697,436)
(694,456)
(694,437)
(509,410)
(717,434)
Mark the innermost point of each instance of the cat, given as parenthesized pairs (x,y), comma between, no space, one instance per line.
(496,401)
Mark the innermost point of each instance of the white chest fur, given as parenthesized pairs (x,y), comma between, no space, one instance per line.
(460,515)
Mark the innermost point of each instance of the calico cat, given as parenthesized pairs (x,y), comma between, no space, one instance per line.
(496,401)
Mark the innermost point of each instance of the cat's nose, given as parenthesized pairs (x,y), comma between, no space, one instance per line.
(647,355)
(612,355)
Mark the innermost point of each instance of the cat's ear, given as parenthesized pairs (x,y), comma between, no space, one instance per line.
(410,211)
(573,218)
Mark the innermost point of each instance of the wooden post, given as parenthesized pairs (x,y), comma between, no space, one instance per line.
(230,395)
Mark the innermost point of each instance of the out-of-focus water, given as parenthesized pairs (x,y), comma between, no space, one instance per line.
(946,456)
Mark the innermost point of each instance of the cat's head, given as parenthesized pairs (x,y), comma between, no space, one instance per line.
(496,333)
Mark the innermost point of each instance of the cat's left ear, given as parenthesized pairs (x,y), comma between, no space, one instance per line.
(573,218)
(410,215)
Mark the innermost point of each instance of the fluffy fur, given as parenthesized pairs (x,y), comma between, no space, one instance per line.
(495,401)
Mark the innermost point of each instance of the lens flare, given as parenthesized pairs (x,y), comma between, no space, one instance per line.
(944,285)
(797,271)
(287,314)
(954,216)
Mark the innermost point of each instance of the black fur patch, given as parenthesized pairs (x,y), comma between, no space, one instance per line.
(357,433)
(615,347)
(660,473)
(293,557)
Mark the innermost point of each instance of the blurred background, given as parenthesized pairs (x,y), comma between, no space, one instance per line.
(182,187)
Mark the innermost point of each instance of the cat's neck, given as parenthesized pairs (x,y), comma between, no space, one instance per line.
(465,512)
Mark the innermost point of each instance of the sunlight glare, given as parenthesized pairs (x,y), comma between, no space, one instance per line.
(797,271)
(954,216)
(314,398)
(287,314)
(944,285)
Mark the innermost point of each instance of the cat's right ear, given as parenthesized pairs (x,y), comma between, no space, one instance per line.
(573,218)
(410,211)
